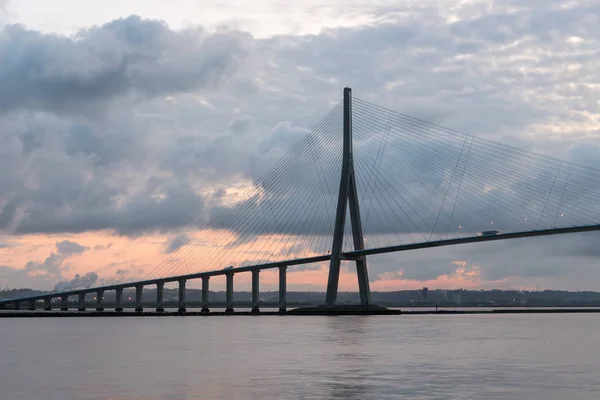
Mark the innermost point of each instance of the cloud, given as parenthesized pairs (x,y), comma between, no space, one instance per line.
(306,267)
(3,8)
(55,264)
(557,261)
(103,247)
(274,74)
(128,56)
(42,274)
(155,130)
(176,243)
(175,207)
(78,282)
(50,266)
(67,248)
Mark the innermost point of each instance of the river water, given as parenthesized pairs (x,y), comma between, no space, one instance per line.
(554,356)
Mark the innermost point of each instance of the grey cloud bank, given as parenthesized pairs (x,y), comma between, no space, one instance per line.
(124,57)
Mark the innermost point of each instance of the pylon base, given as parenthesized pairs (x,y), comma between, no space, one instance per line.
(351,309)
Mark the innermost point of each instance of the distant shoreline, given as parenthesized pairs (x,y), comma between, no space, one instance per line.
(299,312)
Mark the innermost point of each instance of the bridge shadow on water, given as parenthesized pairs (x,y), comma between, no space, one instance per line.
(351,361)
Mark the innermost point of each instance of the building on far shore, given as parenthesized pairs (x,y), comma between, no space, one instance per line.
(454,296)
(417,296)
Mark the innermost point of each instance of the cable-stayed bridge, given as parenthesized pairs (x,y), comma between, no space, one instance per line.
(367,180)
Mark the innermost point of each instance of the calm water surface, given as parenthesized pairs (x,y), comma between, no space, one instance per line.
(239,357)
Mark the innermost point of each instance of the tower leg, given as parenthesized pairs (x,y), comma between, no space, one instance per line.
(340,216)
(359,242)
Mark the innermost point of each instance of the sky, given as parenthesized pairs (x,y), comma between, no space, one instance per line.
(127,126)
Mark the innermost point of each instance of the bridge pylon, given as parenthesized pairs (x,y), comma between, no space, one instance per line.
(347,197)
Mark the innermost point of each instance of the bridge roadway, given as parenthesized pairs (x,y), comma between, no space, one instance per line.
(255,269)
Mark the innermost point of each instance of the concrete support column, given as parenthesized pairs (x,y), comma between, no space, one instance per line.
(255,290)
(48,304)
(181,308)
(99,298)
(119,300)
(31,305)
(282,288)
(229,292)
(138,298)
(81,302)
(159,296)
(205,292)
(64,303)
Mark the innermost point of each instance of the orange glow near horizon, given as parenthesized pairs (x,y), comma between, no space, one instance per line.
(107,254)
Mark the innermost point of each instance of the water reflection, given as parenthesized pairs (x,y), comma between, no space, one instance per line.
(426,357)
(348,379)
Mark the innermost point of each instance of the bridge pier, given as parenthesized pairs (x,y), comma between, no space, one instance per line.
(205,292)
(48,304)
(181,308)
(229,292)
(138,298)
(119,300)
(255,291)
(81,302)
(99,298)
(282,288)
(16,305)
(31,306)
(64,303)
(159,297)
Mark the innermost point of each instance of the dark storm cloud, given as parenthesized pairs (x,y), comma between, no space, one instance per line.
(177,206)
(91,170)
(122,57)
